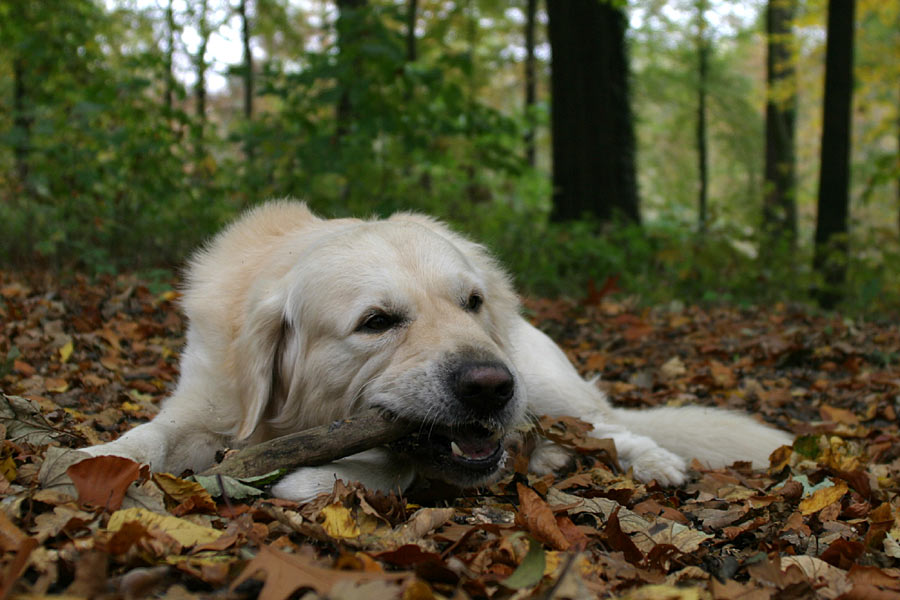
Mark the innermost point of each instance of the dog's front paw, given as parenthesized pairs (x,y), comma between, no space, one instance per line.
(658,463)
(550,457)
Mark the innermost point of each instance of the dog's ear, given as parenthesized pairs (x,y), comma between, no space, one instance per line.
(256,357)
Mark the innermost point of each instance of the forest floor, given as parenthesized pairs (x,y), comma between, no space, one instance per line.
(82,362)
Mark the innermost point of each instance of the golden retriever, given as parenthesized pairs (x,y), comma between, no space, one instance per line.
(295,321)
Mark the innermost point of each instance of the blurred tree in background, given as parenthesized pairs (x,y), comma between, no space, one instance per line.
(133,129)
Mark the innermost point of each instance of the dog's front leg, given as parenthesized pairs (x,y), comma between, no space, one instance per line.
(553,387)
(176,440)
(377,469)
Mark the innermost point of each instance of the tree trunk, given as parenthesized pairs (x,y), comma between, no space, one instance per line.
(201,67)
(593,135)
(830,259)
(530,80)
(347,9)
(169,94)
(21,122)
(248,60)
(412,12)
(779,204)
(703,75)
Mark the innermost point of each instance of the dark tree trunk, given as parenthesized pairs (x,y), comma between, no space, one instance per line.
(834,169)
(170,53)
(249,150)
(779,205)
(200,62)
(530,79)
(22,122)
(703,76)
(412,13)
(248,60)
(347,10)
(593,135)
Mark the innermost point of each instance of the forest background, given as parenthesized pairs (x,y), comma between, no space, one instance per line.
(670,149)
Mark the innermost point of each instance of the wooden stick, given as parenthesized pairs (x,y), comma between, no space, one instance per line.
(315,446)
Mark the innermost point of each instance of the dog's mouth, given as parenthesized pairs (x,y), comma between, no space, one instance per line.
(471,445)
(464,451)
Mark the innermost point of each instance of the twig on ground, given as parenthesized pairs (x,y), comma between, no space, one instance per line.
(315,446)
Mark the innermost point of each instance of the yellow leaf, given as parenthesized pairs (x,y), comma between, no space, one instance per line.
(339,522)
(822,498)
(182,530)
(8,468)
(180,489)
(664,592)
(66,351)
(75,413)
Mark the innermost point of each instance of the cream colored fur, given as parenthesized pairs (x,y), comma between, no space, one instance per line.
(274,302)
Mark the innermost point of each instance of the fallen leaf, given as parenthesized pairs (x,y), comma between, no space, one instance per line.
(182,490)
(822,498)
(338,522)
(673,368)
(102,481)
(286,573)
(534,515)
(184,532)
(531,570)
(65,352)
(11,537)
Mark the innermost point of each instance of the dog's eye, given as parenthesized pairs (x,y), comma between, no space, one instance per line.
(377,323)
(473,304)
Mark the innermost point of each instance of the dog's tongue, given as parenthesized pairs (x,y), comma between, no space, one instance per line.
(474,448)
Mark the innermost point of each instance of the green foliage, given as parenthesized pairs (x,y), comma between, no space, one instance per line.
(97,172)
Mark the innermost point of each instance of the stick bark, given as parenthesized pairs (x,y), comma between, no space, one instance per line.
(315,446)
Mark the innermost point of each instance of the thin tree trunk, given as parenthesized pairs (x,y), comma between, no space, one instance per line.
(201,67)
(248,60)
(779,205)
(22,122)
(831,245)
(593,134)
(169,58)
(703,75)
(530,80)
(344,41)
(248,74)
(412,12)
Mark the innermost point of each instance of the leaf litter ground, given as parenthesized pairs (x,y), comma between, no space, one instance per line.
(84,362)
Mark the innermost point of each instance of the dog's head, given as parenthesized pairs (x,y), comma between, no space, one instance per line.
(400,314)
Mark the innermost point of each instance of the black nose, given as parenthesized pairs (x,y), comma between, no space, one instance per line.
(483,387)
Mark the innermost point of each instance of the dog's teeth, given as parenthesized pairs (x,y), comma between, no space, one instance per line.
(455,449)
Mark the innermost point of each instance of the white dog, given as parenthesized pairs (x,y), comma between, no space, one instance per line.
(295,321)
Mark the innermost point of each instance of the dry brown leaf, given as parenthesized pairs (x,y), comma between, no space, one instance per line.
(11,537)
(102,481)
(534,514)
(422,522)
(829,581)
(286,573)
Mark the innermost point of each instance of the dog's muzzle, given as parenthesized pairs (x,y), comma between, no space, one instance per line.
(469,449)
